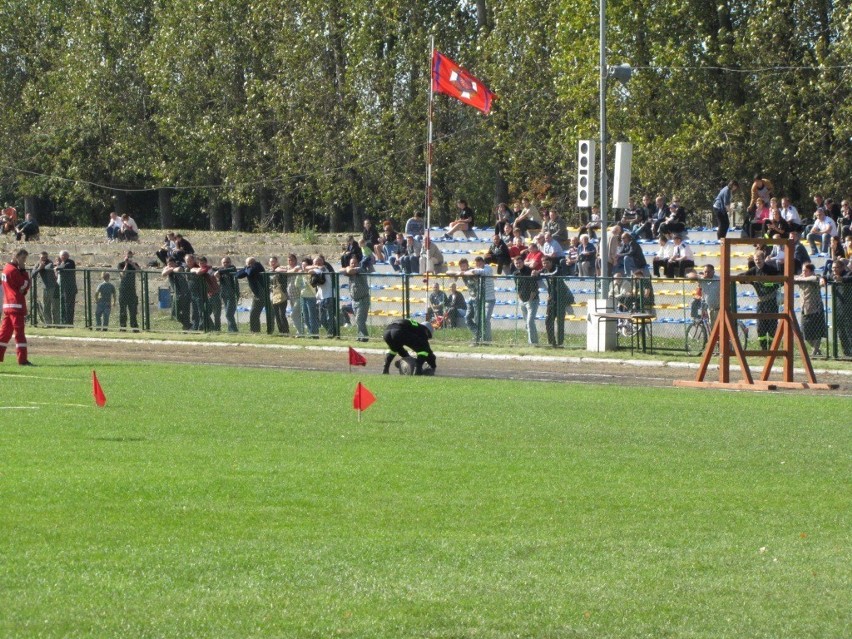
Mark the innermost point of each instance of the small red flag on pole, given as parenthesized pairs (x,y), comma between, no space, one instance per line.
(363,399)
(355,358)
(97,391)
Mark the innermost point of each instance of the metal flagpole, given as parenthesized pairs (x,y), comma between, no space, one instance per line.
(427,237)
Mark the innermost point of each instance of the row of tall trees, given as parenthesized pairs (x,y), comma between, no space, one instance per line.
(241,113)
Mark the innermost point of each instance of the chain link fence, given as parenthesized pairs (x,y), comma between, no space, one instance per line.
(498,310)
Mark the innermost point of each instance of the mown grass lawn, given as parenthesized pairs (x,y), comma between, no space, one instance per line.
(218,502)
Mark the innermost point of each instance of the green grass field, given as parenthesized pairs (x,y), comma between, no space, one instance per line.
(218,502)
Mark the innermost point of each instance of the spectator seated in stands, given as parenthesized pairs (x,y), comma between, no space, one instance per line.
(675,221)
(594,223)
(368,261)
(775,224)
(129,229)
(682,258)
(753,226)
(844,222)
(629,255)
(664,252)
(387,244)
(28,229)
(167,250)
(823,229)
(409,260)
(463,223)
(351,249)
(572,257)
(415,226)
(586,255)
(498,253)
(555,225)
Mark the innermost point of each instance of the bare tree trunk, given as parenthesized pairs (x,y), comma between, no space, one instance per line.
(31,206)
(167,217)
(120,200)
(237,212)
(501,188)
(263,203)
(287,213)
(217,216)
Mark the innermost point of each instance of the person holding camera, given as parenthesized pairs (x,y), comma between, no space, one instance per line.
(254,275)
(128,300)
(50,293)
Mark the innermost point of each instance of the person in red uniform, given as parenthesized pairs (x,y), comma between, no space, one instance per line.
(16,283)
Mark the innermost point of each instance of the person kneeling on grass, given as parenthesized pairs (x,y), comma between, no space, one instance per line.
(405,332)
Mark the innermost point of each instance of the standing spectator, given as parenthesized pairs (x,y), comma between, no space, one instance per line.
(27,229)
(104,300)
(308,297)
(359,292)
(50,294)
(179,287)
(813,312)
(16,283)
(196,293)
(482,297)
(456,307)
(526,285)
(129,229)
(761,188)
(113,227)
(767,298)
(464,221)
(66,275)
(323,283)
(711,292)
(682,259)
(128,300)
(841,281)
(254,275)
(278,294)
(823,229)
(559,301)
(722,207)
(229,293)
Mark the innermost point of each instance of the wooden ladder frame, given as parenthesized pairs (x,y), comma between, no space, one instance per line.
(724,333)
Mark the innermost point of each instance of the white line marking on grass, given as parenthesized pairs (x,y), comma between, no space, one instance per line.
(58,404)
(54,379)
(19,407)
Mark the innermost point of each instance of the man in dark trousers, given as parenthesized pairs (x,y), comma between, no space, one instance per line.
(405,332)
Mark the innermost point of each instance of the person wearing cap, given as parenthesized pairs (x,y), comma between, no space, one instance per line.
(403,333)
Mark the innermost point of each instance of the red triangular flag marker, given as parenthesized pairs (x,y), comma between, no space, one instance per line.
(355,358)
(97,391)
(363,398)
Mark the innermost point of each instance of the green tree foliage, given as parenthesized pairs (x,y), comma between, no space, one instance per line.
(313,112)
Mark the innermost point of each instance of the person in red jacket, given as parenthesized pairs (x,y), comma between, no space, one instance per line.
(16,283)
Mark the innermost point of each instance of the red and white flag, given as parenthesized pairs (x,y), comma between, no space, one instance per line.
(451,79)
(97,391)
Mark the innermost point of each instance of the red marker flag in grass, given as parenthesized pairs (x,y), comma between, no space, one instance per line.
(363,399)
(355,358)
(451,79)
(97,391)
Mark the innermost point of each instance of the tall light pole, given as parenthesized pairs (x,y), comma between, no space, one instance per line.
(604,252)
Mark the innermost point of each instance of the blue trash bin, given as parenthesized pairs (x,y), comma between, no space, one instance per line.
(164,296)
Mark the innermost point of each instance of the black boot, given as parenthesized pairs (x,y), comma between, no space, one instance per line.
(388,359)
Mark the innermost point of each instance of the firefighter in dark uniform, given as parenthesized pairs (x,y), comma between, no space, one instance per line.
(405,332)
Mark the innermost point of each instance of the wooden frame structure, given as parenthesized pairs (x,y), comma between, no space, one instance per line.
(724,333)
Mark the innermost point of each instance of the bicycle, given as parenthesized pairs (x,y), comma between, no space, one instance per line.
(698,332)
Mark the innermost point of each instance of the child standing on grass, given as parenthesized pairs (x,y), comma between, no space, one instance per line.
(104,299)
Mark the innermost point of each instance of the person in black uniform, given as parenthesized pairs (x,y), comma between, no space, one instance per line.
(405,332)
